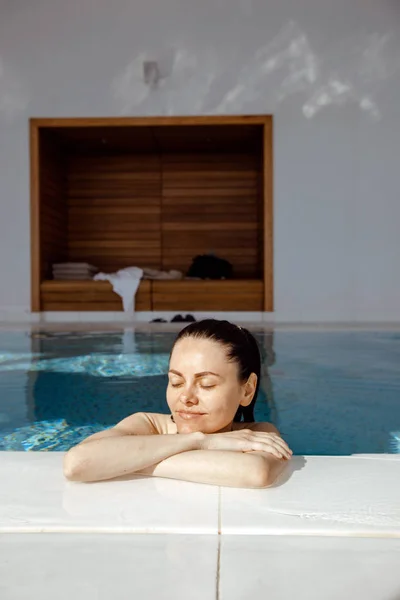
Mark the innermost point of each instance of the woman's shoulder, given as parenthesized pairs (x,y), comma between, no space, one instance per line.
(148,424)
(162,423)
(261,426)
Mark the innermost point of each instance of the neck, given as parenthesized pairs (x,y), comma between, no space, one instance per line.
(228,427)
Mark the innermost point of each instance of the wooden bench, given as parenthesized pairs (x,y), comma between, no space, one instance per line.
(209,295)
(89,296)
(185,295)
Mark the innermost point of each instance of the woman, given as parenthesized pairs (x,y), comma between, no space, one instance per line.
(214,376)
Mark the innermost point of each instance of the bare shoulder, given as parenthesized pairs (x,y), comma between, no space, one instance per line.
(147,424)
(138,424)
(162,424)
(265,427)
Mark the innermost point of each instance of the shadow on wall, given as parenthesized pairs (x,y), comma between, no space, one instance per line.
(286,65)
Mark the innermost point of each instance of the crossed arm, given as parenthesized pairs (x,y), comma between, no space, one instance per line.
(132,447)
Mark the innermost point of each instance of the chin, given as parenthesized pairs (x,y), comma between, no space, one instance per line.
(189,427)
(192,425)
(204,427)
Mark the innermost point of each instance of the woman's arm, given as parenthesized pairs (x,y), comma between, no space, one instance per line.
(238,458)
(126,448)
(228,467)
(221,467)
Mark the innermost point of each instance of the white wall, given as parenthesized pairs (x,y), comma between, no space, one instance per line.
(327,69)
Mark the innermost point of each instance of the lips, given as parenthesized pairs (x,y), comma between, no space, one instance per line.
(190,415)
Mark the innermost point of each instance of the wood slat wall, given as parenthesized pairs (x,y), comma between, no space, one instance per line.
(53,209)
(246,295)
(144,210)
(157,209)
(211,203)
(114,210)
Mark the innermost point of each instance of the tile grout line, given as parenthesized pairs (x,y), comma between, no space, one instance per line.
(217,594)
(219,512)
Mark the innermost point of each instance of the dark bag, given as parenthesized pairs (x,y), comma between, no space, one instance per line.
(208,266)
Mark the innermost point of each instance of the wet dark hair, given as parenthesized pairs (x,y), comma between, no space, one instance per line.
(241,348)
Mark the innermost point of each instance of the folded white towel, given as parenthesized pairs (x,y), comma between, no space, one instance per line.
(77,270)
(125,283)
(71,266)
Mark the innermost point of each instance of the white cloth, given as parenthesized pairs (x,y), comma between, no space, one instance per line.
(125,283)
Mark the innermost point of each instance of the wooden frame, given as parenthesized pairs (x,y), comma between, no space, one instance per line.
(268,174)
(35,218)
(266,121)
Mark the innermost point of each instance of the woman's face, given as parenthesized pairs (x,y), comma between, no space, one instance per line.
(204,391)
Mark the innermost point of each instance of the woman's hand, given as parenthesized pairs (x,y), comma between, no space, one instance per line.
(246,440)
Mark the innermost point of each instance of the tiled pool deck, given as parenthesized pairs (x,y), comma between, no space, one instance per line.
(332,525)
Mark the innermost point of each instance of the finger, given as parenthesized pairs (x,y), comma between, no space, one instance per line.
(277,450)
(263,452)
(284,448)
(266,435)
(255,438)
(257,446)
(282,444)
(261,446)
(278,440)
(274,439)
(274,451)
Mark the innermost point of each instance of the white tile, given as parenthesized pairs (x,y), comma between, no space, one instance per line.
(144,316)
(80,321)
(395,457)
(268,317)
(320,495)
(307,568)
(121,317)
(35,318)
(35,497)
(20,315)
(105,316)
(60,317)
(140,317)
(117,567)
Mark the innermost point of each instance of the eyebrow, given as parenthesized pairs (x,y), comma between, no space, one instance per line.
(203,374)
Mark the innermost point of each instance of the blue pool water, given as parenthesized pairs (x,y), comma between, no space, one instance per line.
(329,393)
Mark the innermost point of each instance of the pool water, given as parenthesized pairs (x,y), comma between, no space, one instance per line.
(329,393)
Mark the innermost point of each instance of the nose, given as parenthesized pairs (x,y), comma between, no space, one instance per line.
(188,396)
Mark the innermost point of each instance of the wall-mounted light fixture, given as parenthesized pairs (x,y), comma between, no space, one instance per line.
(151,73)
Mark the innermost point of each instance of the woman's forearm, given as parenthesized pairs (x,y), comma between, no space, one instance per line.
(117,455)
(221,467)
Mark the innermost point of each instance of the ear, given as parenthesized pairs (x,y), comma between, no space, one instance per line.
(249,390)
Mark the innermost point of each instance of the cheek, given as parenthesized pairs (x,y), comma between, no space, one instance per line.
(225,399)
(171,395)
